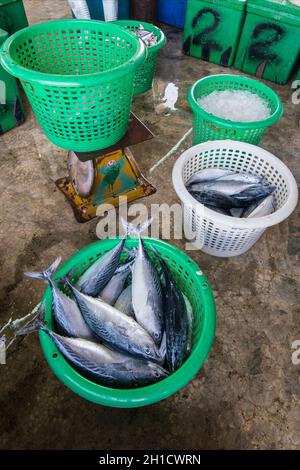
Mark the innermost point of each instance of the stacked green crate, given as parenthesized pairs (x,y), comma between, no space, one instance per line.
(12,18)
(212,29)
(12,15)
(11,107)
(269,47)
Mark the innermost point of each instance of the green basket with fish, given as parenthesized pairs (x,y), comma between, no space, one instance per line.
(207,126)
(189,279)
(145,73)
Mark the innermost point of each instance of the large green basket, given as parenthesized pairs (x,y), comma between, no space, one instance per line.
(145,73)
(192,282)
(78,76)
(209,127)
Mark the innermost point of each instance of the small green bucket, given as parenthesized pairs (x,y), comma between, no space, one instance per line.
(145,73)
(207,127)
(78,76)
(192,283)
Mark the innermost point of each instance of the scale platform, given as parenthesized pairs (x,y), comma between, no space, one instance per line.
(110,173)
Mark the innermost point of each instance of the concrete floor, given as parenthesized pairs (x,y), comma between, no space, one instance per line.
(247,394)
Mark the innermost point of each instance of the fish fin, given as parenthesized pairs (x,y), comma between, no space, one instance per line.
(47,274)
(136,229)
(163,346)
(37,324)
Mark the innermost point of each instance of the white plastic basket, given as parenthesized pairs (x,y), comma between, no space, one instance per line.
(218,234)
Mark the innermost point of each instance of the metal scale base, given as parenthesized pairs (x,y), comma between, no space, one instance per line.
(112,172)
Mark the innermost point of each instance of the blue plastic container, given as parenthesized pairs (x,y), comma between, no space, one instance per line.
(172,12)
(97,13)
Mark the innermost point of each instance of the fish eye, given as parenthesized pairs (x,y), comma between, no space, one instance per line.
(156,374)
(147,350)
(157,335)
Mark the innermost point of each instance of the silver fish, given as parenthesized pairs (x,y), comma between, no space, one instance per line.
(101,363)
(227,187)
(65,310)
(262,208)
(176,322)
(113,289)
(243,178)
(124,302)
(244,198)
(208,174)
(114,328)
(81,174)
(147,297)
(95,278)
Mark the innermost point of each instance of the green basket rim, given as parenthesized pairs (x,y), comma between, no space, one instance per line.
(161,37)
(70,80)
(130,398)
(275,116)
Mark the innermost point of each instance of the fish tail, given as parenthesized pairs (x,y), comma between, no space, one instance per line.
(136,229)
(37,324)
(47,274)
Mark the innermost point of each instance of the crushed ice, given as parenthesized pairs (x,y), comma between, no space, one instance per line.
(235,105)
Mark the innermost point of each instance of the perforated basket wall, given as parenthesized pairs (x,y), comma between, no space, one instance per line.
(192,282)
(78,76)
(145,73)
(221,235)
(208,127)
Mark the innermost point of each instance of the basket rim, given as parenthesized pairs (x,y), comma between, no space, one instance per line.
(129,398)
(275,116)
(233,222)
(161,37)
(75,81)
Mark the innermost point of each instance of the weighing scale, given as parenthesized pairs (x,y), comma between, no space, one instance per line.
(101,177)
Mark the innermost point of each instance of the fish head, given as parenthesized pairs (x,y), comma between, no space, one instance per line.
(157,372)
(147,373)
(150,351)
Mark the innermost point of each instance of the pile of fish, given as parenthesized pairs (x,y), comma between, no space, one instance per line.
(233,194)
(148,37)
(123,323)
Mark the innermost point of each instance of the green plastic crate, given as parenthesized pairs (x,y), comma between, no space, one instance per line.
(78,76)
(270,42)
(12,111)
(206,126)
(145,73)
(191,281)
(212,29)
(12,15)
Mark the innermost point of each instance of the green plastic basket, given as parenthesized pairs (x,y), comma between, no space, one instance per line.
(145,73)
(209,127)
(78,76)
(192,282)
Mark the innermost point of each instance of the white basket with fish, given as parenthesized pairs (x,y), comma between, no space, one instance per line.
(208,225)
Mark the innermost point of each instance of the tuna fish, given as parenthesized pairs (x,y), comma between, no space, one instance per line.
(113,289)
(147,296)
(98,275)
(114,328)
(100,363)
(261,208)
(124,302)
(65,310)
(209,174)
(176,322)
